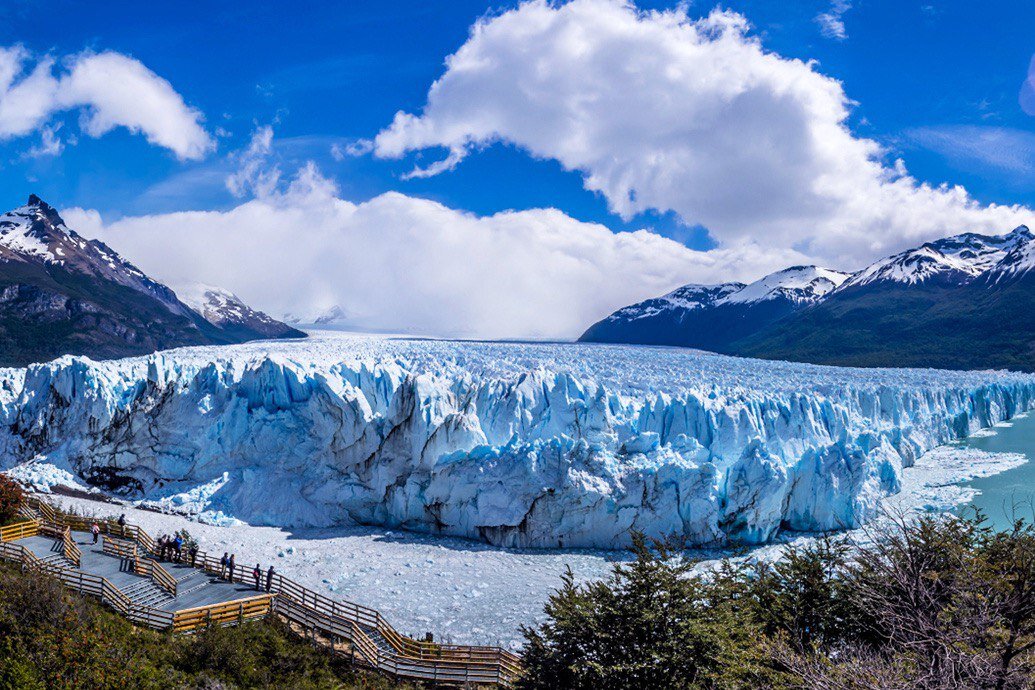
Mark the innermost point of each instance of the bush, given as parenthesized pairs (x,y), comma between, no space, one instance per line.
(11,499)
(651,625)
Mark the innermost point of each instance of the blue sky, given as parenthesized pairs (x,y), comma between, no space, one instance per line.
(934,83)
(331,72)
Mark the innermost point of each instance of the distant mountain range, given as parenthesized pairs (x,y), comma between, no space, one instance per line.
(962,302)
(63,294)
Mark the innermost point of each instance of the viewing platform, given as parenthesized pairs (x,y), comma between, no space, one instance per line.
(195,587)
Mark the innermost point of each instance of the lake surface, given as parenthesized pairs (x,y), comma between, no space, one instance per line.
(1012,492)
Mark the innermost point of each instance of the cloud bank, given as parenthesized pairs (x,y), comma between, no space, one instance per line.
(660,111)
(403,264)
(110,89)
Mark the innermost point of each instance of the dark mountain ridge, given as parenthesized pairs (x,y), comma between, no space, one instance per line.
(962,302)
(63,294)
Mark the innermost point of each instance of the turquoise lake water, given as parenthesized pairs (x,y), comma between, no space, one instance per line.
(1013,491)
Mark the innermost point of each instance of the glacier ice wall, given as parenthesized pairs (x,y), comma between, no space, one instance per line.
(519,445)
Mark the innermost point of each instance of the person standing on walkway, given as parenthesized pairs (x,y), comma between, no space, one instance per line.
(223,562)
(193,555)
(178,546)
(257,574)
(269,579)
(95,530)
(122,524)
(232,559)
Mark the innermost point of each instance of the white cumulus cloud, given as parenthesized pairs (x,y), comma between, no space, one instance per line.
(404,264)
(110,89)
(657,110)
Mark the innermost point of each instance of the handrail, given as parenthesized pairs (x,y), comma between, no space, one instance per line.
(20,530)
(120,548)
(70,549)
(150,568)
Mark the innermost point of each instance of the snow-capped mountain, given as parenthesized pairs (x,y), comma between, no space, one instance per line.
(332,316)
(36,234)
(799,284)
(63,294)
(227,311)
(958,259)
(712,316)
(966,301)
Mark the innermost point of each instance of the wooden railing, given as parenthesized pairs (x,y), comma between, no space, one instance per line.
(361,626)
(120,548)
(149,568)
(230,613)
(70,549)
(20,530)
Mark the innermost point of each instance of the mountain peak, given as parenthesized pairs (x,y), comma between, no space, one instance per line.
(800,284)
(41,209)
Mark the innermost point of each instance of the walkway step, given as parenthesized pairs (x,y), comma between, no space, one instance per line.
(58,560)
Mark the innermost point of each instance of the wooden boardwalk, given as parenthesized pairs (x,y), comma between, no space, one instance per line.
(121,571)
(195,586)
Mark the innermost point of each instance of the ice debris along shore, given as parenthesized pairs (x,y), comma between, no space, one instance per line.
(541,445)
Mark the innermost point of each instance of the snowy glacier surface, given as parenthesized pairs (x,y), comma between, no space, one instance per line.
(516,444)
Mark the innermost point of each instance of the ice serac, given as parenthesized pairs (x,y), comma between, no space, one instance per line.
(519,445)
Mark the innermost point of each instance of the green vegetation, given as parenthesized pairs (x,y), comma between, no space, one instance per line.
(55,640)
(11,498)
(936,604)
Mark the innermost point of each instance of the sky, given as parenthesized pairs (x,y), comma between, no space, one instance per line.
(513,169)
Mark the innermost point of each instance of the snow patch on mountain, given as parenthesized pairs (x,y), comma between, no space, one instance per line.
(220,307)
(800,284)
(686,298)
(543,445)
(960,257)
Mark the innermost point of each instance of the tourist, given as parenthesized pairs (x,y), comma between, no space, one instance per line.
(257,574)
(193,555)
(122,524)
(178,547)
(95,530)
(269,579)
(233,558)
(223,562)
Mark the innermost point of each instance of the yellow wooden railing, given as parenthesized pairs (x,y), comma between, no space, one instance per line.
(20,530)
(232,612)
(70,548)
(149,568)
(120,548)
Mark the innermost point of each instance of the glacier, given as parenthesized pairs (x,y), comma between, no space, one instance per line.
(547,445)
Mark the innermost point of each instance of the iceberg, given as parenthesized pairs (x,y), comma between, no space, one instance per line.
(516,444)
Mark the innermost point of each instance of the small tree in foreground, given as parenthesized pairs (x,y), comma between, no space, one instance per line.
(11,498)
(651,625)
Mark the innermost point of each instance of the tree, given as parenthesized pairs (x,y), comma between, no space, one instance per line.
(11,499)
(650,625)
